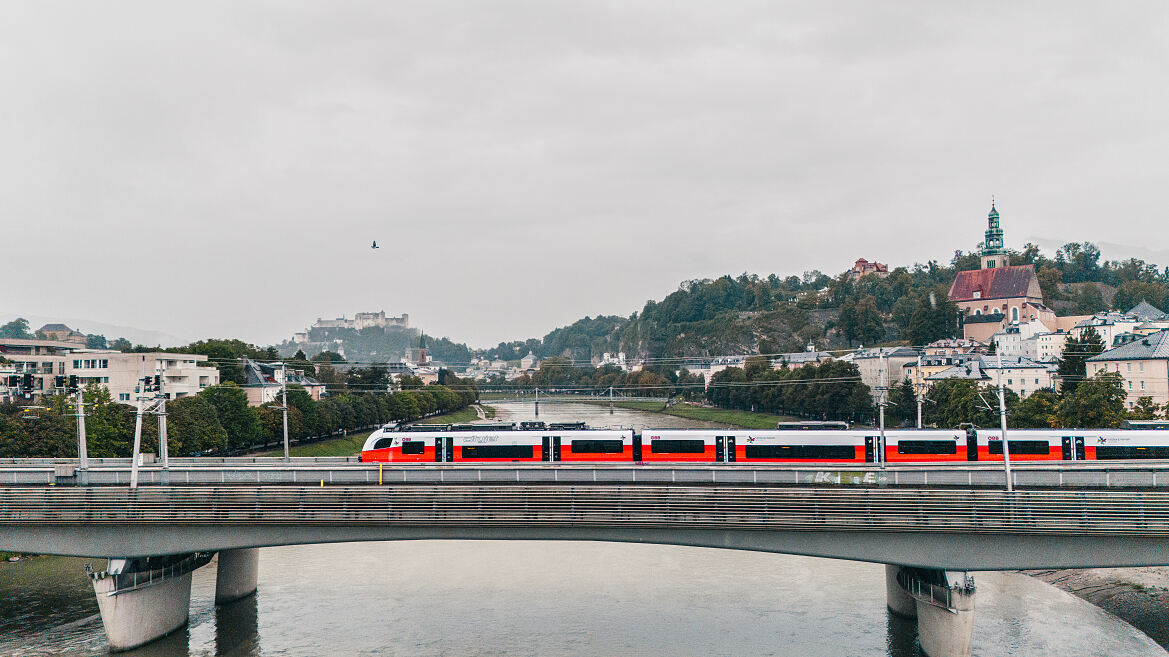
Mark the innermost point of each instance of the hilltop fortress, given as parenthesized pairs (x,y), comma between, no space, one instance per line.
(360,321)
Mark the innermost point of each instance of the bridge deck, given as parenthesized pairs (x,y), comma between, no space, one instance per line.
(682,507)
(945,529)
(1144,475)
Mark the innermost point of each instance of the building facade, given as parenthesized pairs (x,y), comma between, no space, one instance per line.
(1142,363)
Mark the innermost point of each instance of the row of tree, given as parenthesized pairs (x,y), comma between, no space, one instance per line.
(216,421)
(1095,403)
(828,391)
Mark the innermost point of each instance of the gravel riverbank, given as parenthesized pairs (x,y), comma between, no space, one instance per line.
(1138,596)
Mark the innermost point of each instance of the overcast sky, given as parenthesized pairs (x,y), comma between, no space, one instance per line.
(220,169)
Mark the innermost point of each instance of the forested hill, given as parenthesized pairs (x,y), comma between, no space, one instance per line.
(753,314)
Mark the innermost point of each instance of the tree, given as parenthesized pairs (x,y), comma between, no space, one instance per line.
(328,357)
(936,317)
(1072,367)
(1130,293)
(1096,403)
(846,321)
(1038,411)
(17,329)
(1146,409)
(1089,300)
(94,341)
(870,328)
(240,421)
(121,344)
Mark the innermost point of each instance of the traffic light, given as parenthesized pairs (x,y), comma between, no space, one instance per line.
(12,380)
(73,382)
(27,381)
(157,382)
(58,381)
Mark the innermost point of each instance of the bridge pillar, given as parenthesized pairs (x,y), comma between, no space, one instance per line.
(945,608)
(142,600)
(898,599)
(237,573)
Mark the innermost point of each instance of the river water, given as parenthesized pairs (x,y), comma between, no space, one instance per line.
(482,599)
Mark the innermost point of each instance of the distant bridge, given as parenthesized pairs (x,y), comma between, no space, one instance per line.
(487,398)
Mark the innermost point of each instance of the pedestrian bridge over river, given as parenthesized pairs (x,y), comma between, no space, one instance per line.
(931,523)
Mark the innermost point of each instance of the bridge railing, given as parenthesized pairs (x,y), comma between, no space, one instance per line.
(122,582)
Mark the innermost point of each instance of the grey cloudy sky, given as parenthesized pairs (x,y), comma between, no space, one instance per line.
(219,169)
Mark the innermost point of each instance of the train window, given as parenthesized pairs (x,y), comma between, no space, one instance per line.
(383,443)
(497,452)
(413,447)
(596,447)
(1132,452)
(931,446)
(677,446)
(800,452)
(1020,447)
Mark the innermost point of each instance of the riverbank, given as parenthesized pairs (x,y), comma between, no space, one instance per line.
(1137,596)
(741,419)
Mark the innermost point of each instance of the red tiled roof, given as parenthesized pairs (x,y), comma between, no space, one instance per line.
(996,283)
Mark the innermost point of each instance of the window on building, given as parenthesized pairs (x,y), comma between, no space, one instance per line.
(123,396)
(1014,314)
(1142,385)
(1128,367)
(1141,366)
(1130,385)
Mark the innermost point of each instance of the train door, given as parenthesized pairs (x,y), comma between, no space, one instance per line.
(971,445)
(555,448)
(546,448)
(870,449)
(731,449)
(637,447)
(720,449)
(1073,448)
(444,449)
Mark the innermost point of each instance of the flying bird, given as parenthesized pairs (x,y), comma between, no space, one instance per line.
(374,246)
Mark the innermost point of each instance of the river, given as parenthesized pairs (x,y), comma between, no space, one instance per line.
(481,599)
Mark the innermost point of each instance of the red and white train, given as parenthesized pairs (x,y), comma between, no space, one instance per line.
(573,443)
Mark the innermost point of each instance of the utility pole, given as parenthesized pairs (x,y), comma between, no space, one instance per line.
(883,399)
(1003,427)
(137,436)
(537,401)
(82,446)
(163,443)
(284,406)
(917,387)
(610,400)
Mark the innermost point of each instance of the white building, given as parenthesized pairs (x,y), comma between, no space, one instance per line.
(610,359)
(881,366)
(1022,375)
(1108,326)
(183,374)
(1030,340)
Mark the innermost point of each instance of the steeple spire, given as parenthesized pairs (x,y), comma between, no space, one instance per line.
(993,253)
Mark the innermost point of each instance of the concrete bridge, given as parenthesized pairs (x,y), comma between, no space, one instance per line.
(929,536)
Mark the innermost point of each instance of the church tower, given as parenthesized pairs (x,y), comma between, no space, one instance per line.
(993,253)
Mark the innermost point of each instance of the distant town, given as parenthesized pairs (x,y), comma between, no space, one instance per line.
(993,323)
